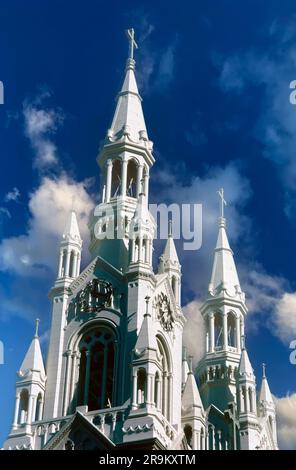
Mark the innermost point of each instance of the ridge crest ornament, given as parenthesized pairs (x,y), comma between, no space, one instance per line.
(164,312)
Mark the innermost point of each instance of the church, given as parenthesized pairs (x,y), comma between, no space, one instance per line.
(117,375)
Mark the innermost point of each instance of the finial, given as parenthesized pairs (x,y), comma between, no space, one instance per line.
(243,341)
(170,229)
(264,370)
(190,359)
(222,202)
(132,43)
(37,321)
(147,298)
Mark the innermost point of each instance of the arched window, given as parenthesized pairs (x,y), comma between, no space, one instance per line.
(141,386)
(96,370)
(23,409)
(116,178)
(38,412)
(231,329)
(218,330)
(71,266)
(166,398)
(251,400)
(174,287)
(188,434)
(131,178)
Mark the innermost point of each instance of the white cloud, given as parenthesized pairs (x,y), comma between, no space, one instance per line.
(268,297)
(285,317)
(286,421)
(40,125)
(157,68)
(194,331)
(271,71)
(12,195)
(32,253)
(5,212)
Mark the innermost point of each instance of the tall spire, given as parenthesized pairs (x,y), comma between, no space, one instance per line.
(169,258)
(224,273)
(265,394)
(129,118)
(71,231)
(33,359)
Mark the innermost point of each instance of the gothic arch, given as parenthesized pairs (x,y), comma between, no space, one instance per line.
(132,172)
(92,369)
(165,367)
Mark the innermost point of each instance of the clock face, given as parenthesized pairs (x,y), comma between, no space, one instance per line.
(164,312)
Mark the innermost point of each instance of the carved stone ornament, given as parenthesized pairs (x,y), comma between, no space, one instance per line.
(164,312)
(96,295)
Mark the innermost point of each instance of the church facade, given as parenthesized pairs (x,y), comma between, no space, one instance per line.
(117,375)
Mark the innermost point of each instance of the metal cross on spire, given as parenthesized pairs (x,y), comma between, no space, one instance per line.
(132,43)
(222,202)
(37,328)
(264,369)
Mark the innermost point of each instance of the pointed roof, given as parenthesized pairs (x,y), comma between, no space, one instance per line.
(71,231)
(33,359)
(147,337)
(128,117)
(169,256)
(245,367)
(265,394)
(224,273)
(191,396)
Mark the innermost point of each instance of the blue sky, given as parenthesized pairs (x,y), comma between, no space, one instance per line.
(214,77)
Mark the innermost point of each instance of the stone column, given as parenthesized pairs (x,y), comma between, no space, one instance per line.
(140,257)
(74,267)
(68,256)
(164,395)
(67,380)
(60,263)
(87,373)
(139,178)
(124,176)
(73,376)
(16,411)
(225,339)
(135,387)
(40,413)
(212,331)
(109,180)
(30,409)
(146,185)
(78,264)
(237,331)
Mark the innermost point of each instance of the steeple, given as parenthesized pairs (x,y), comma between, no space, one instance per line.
(169,263)
(71,232)
(191,396)
(33,360)
(129,118)
(245,368)
(146,341)
(30,387)
(224,274)
(265,394)
(193,416)
(70,249)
